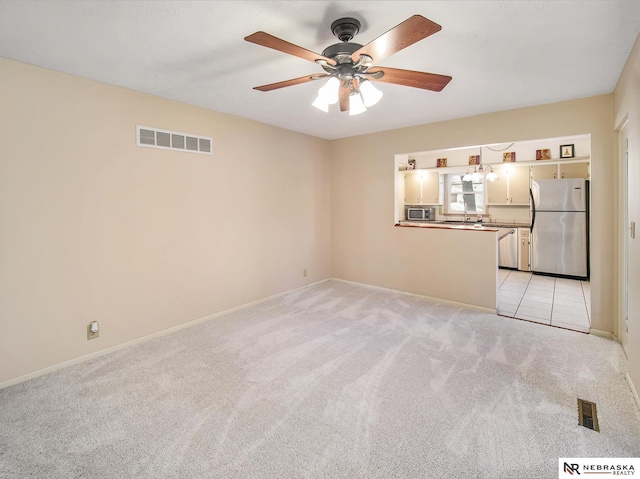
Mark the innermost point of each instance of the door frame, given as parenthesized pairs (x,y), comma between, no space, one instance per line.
(623,224)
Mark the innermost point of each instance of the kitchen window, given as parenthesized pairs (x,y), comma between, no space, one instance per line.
(464,196)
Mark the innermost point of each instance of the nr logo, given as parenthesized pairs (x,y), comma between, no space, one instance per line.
(571,468)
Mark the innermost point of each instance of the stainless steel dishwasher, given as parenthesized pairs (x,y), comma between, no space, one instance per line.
(507,248)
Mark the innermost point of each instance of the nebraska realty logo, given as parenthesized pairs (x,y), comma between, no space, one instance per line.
(610,466)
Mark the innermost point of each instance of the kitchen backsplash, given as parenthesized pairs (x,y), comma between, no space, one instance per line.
(509,214)
(498,214)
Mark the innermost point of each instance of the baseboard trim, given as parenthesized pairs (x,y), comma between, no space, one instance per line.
(117,347)
(602,334)
(438,300)
(634,391)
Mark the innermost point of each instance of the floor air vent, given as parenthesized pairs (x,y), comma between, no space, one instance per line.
(587,414)
(173,140)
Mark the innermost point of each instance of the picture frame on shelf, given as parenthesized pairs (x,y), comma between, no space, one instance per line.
(509,156)
(441,163)
(567,151)
(543,154)
(474,159)
(412,165)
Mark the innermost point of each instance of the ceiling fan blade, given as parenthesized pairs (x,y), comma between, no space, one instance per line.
(401,36)
(294,81)
(424,80)
(269,41)
(343,95)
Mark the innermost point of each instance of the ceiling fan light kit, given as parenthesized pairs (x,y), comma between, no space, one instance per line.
(359,99)
(348,64)
(356,104)
(370,94)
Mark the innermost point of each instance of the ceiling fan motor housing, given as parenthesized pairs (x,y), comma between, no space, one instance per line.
(339,50)
(345,28)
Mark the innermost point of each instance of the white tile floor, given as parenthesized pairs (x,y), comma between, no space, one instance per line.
(565,303)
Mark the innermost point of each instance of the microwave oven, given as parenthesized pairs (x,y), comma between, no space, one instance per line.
(421,214)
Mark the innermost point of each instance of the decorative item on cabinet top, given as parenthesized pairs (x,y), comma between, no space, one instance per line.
(412,165)
(567,151)
(474,159)
(509,156)
(544,154)
(442,163)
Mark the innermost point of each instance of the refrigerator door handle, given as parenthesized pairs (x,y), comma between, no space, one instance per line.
(533,210)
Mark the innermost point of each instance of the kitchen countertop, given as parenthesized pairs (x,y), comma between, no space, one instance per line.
(502,229)
(467,223)
(450,226)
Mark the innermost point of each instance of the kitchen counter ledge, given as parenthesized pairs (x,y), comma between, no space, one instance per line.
(500,229)
(470,227)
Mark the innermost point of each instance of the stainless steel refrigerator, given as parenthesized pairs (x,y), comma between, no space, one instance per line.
(560,227)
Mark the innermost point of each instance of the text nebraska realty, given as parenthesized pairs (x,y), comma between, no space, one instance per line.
(613,469)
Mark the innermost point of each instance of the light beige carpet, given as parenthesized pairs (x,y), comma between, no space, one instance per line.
(332,381)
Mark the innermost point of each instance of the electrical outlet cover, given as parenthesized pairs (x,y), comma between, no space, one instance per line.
(91,334)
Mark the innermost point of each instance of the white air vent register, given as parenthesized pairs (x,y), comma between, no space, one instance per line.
(173,140)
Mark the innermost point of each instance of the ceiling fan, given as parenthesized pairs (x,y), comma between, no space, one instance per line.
(349,65)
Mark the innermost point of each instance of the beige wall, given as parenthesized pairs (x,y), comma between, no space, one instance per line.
(627,106)
(95,228)
(365,246)
(425,250)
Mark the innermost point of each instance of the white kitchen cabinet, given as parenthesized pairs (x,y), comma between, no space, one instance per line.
(431,184)
(574,170)
(512,188)
(560,170)
(412,189)
(523,249)
(519,182)
(544,172)
(422,188)
(498,191)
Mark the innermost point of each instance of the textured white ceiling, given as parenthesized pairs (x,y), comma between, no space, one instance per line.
(501,54)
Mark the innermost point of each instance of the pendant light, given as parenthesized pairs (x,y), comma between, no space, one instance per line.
(478,172)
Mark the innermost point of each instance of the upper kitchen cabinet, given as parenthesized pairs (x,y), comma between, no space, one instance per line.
(544,172)
(412,189)
(431,191)
(519,185)
(512,188)
(422,188)
(574,170)
(560,170)
(498,191)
